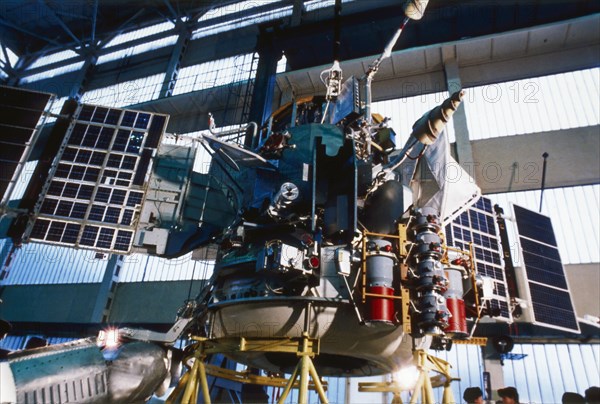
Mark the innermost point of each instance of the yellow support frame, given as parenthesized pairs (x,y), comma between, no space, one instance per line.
(194,380)
(425,384)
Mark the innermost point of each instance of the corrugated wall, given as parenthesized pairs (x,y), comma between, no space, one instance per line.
(40,264)
(549,370)
(559,101)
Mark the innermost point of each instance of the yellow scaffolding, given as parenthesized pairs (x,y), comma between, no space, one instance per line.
(194,380)
(425,384)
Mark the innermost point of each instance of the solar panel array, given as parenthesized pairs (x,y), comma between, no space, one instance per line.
(20,112)
(477,225)
(94,197)
(551,301)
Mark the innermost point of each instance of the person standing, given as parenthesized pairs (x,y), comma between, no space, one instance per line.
(473,395)
(509,395)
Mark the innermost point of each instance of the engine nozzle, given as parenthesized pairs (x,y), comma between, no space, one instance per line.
(427,129)
(414,9)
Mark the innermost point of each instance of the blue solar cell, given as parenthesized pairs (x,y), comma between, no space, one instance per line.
(100,115)
(123,240)
(448,232)
(83,156)
(484,204)
(77,173)
(105,237)
(40,228)
(109,176)
(77,134)
(128,118)
(97,158)
(49,206)
(142,121)
(70,190)
(118,197)
(104,139)
(534,226)
(114,160)
(71,233)
(128,163)
(134,199)
(69,154)
(55,231)
(539,249)
(56,188)
(121,140)
(62,171)
(89,235)
(64,208)
(127,217)
(97,213)
(553,306)
(112,215)
(91,174)
(113,116)
(103,194)
(135,142)
(85,192)
(86,112)
(79,210)
(91,136)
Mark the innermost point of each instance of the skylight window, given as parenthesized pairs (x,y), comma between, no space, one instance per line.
(53,58)
(52,73)
(127,93)
(242,6)
(317,4)
(140,33)
(215,73)
(12,57)
(242,22)
(134,50)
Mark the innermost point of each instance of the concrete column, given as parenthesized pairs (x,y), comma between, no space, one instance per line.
(493,367)
(463,144)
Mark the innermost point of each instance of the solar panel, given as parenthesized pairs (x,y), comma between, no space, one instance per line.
(94,196)
(544,280)
(477,225)
(20,113)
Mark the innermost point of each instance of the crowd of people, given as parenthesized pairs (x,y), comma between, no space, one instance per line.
(510,395)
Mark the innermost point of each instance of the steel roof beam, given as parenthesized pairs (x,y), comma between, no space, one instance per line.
(60,21)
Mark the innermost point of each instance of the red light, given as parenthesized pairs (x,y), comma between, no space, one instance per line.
(314,261)
(388,248)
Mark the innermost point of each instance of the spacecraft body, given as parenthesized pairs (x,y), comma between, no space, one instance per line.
(315,245)
(79,372)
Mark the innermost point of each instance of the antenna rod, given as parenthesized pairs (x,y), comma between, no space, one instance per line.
(545,156)
(368,77)
(337,41)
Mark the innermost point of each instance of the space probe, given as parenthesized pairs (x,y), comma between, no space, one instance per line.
(331,259)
